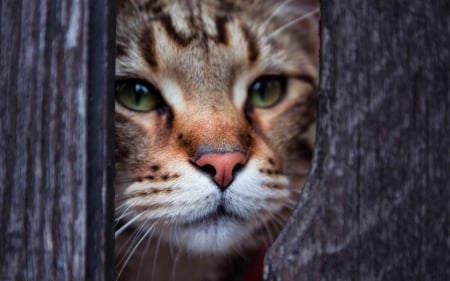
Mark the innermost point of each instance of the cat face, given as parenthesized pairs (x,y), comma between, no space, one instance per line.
(215,117)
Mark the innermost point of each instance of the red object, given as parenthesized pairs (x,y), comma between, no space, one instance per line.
(256,271)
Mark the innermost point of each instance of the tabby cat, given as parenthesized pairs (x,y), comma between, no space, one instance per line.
(214,131)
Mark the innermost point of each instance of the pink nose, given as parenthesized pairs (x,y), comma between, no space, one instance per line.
(223,164)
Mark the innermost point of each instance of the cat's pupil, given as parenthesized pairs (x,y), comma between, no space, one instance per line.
(139,92)
(137,95)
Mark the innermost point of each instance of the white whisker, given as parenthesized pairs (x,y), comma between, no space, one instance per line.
(294,21)
(130,253)
(123,214)
(155,257)
(266,228)
(131,240)
(146,248)
(125,226)
(275,12)
(175,262)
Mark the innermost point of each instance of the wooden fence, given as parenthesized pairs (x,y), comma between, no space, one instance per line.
(376,205)
(56,76)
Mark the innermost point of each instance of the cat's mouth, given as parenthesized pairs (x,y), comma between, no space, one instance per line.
(214,217)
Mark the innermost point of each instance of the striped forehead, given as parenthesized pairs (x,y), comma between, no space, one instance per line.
(201,55)
(180,31)
(173,36)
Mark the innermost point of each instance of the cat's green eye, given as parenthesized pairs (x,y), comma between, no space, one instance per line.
(137,95)
(266,91)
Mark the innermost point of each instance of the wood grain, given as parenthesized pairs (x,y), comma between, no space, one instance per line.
(55,111)
(377,203)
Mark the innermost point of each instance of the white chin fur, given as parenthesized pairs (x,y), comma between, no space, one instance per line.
(217,238)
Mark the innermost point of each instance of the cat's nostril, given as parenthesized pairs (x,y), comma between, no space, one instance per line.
(222,167)
(209,169)
(237,169)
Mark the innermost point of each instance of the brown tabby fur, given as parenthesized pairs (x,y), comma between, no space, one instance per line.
(203,56)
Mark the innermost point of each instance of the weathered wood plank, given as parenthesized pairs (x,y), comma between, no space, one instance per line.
(53,148)
(377,205)
(100,193)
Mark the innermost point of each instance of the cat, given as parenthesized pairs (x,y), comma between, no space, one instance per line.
(214,133)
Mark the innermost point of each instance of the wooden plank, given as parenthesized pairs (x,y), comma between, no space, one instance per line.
(100,193)
(377,204)
(55,194)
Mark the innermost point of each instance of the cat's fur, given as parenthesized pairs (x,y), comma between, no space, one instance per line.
(173,221)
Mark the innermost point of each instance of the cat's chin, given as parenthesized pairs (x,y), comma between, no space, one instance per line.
(216,237)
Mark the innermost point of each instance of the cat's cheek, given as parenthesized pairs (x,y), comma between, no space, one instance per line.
(261,191)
